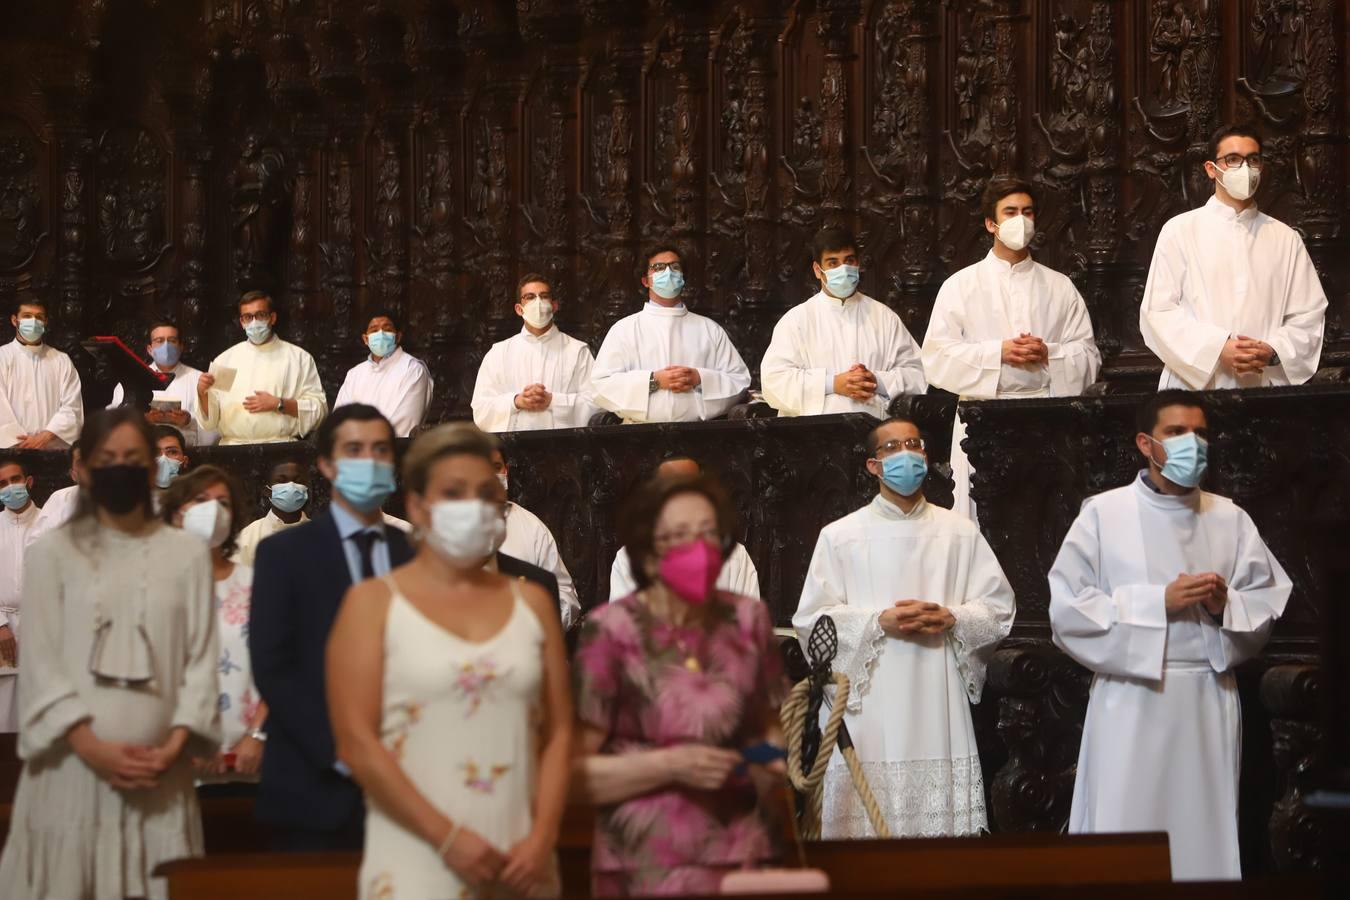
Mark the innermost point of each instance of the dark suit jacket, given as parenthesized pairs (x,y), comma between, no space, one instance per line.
(518,568)
(299,578)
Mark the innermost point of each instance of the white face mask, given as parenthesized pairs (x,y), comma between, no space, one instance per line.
(538,312)
(505,480)
(209,521)
(1016,233)
(465,532)
(1240,181)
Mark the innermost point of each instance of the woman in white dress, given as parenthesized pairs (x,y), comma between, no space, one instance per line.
(118,686)
(207,502)
(448,691)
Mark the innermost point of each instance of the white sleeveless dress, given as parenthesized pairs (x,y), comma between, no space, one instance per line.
(461,717)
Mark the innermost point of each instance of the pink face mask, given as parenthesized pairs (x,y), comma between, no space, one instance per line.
(691,570)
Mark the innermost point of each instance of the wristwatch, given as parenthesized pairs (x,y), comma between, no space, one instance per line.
(652,386)
(258,735)
(281,405)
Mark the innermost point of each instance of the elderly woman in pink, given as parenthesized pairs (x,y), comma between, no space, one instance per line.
(677,691)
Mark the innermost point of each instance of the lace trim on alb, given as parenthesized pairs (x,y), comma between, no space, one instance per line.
(919,798)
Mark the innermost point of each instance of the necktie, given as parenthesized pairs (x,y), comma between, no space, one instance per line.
(365,543)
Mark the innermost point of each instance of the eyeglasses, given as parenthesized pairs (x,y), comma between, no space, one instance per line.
(1233,160)
(661,267)
(683,536)
(896,446)
(542,295)
(245,318)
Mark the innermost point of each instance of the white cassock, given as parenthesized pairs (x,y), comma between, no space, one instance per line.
(657,337)
(183,388)
(57,511)
(557,361)
(14,531)
(818,339)
(1162,739)
(39,391)
(399,386)
(528,539)
(909,700)
(985,304)
(1217,274)
(281,369)
(738,575)
(253,534)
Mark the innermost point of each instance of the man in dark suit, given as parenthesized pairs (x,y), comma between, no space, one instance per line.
(300,576)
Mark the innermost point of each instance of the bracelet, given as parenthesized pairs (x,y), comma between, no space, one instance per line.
(258,735)
(448,842)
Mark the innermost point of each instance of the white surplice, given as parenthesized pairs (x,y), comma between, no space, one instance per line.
(281,369)
(40,391)
(818,339)
(909,699)
(557,361)
(528,539)
(183,388)
(1162,738)
(399,386)
(57,511)
(985,304)
(738,575)
(1218,274)
(256,531)
(14,530)
(657,337)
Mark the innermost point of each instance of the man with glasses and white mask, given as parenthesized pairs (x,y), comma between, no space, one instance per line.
(839,351)
(665,363)
(919,602)
(165,349)
(274,393)
(1162,589)
(539,378)
(389,379)
(1232,298)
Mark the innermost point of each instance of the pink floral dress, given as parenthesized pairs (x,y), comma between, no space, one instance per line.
(647,684)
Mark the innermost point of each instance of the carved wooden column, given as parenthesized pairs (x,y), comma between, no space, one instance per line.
(74,150)
(1292,696)
(1004,106)
(387,275)
(835,23)
(1199,69)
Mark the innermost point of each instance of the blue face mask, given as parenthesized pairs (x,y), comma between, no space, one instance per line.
(289,496)
(258,332)
(1187,458)
(166,470)
(365,482)
(166,355)
(381,343)
(668,283)
(14,496)
(842,281)
(904,472)
(32,330)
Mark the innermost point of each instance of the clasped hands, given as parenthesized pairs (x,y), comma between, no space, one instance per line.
(915,617)
(677,379)
(1246,356)
(1208,589)
(856,383)
(1025,350)
(534,398)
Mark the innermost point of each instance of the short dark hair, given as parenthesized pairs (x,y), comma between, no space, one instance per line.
(873,438)
(384,314)
(163,431)
(286,461)
(162,323)
(185,487)
(637,519)
(254,296)
(527,278)
(452,439)
(1232,129)
(1000,187)
(28,298)
(326,436)
(831,238)
(656,249)
(13,459)
(1147,416)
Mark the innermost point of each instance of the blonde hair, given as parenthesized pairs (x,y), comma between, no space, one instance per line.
(453,439)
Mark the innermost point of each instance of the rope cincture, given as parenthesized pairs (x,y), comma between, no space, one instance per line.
(799,710)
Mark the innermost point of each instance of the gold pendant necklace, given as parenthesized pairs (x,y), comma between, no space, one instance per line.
(691,663)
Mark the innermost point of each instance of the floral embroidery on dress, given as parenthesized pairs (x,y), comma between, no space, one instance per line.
(234,607)
(484,784)
(226,665)
(407,715)
(475,679)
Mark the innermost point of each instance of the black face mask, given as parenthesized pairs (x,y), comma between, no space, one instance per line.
(120,489)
